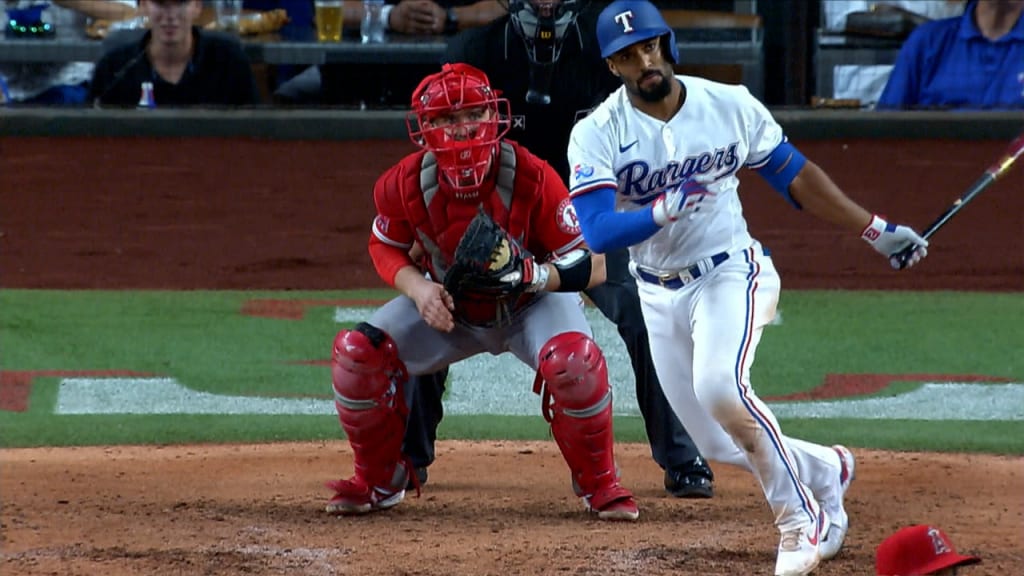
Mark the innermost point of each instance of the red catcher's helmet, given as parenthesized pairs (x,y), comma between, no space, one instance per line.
(460,119)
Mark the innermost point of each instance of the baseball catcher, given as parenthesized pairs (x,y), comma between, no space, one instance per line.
(502,262)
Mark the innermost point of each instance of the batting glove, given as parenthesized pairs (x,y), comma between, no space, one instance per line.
(668,207)
(889,239)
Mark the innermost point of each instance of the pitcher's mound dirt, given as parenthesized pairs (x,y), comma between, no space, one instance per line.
(489,508)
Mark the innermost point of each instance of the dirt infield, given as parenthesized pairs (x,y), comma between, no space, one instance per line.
(489,508)
(174,214)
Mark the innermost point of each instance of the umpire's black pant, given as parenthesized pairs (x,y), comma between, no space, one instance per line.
(617,299)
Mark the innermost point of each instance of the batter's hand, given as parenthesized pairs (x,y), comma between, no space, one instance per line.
(889,239)
(669,206)
(435,305)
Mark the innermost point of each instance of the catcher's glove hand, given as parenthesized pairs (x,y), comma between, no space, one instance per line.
(490,262)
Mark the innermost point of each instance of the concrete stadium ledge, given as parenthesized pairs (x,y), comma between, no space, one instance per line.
(327,124)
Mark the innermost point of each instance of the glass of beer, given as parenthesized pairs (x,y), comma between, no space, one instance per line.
(329,20)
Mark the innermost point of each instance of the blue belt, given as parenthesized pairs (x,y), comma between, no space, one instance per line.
(678,280)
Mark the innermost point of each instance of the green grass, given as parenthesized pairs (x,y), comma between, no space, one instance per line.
(201,340)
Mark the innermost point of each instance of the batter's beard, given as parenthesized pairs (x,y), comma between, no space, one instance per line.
(656,94)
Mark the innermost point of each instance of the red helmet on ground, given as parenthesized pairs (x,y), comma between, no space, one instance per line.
(459,118)
(918,550)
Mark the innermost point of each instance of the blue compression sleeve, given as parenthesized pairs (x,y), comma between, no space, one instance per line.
(781,168)
(606,230)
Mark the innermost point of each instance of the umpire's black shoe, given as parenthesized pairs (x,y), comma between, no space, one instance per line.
(421,477)
(691,480)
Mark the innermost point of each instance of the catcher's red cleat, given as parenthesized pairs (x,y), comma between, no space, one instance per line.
(354,496)
(613,503)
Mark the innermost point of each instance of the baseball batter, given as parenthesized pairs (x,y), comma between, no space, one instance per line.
(522,296)
(655,168)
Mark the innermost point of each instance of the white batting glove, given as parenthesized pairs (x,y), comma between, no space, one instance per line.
(890,239)
(669,206)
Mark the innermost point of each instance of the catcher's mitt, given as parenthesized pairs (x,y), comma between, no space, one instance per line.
(488,262)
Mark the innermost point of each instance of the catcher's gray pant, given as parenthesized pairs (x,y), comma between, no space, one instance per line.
(424,349)
(617,299)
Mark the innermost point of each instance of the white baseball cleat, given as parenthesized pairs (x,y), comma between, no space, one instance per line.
(798,549)
(833,540)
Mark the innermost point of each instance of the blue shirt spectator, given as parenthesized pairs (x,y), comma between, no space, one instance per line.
(973,61)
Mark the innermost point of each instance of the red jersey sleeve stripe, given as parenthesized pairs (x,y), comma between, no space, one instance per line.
(591,186)
(389,241)
(568,247)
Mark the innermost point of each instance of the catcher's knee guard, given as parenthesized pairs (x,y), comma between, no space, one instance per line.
(368,378)
(577,400)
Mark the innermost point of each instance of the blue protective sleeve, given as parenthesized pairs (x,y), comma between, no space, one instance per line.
(606,230)
(783,164)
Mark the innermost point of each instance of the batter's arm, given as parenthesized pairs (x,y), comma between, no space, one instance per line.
(815,191)
(820,196)
(594,186)
(607,230)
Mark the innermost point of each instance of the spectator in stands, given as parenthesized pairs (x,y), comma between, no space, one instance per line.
(59,83)
(432,17)
(974,61)
(866,82)
(186,65)
(919,551)
(300,27)
(392,85)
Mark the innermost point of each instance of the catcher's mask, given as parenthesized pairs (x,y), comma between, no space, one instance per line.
(460,119)
(543,25)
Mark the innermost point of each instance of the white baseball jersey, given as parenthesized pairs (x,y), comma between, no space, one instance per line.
(704,334)
(720,128)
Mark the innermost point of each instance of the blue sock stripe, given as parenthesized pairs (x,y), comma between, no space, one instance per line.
(741,356)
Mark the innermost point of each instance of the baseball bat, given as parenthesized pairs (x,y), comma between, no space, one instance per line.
(993,173)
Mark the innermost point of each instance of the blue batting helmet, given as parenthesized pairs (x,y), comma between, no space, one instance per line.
(626,22)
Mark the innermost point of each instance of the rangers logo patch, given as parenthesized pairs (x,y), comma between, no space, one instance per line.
(566,218)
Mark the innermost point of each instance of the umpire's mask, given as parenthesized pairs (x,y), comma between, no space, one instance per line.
(543,26)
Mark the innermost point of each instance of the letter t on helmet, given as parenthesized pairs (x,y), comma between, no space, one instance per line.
(624,18)
(626,22)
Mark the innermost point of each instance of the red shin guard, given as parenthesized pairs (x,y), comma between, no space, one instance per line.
(577,400)
(368,378)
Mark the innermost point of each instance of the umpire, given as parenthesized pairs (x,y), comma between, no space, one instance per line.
(544,57)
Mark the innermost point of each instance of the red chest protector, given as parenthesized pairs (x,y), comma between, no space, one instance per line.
(439,220)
